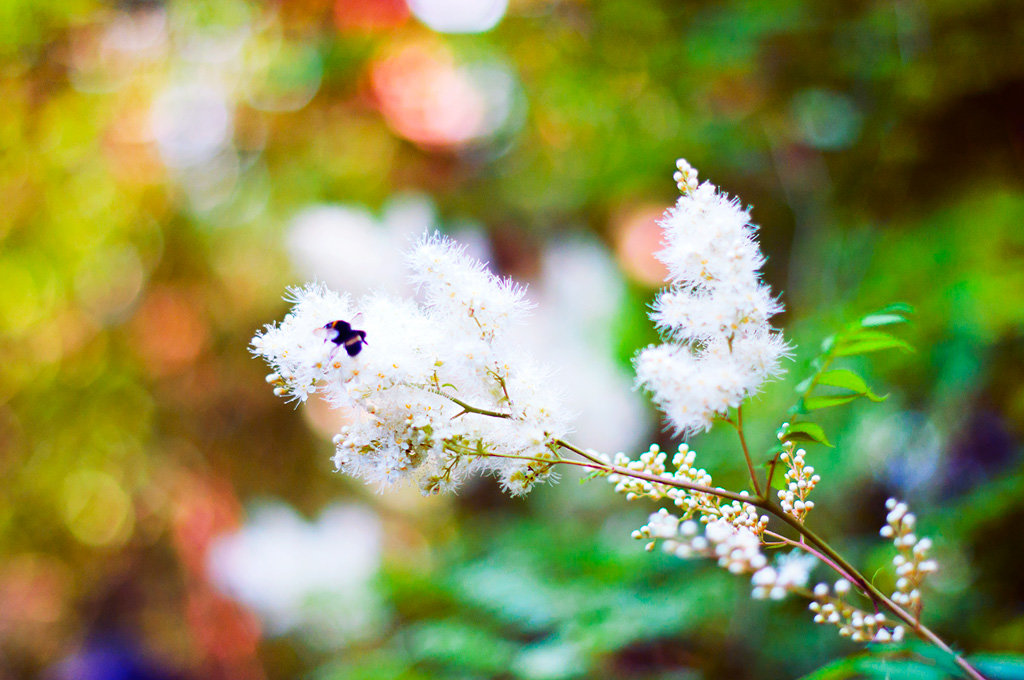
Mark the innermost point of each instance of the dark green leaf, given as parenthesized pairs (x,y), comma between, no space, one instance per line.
(455,644)
(815,403)
(836,670)
(999,666)
(903,669)
(873,666)
(806,432)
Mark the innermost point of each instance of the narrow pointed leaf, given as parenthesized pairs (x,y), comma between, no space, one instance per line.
(815,403)
(804,385)
(865,341)
(848,380)
(806,432)
(901,308)
(872,320)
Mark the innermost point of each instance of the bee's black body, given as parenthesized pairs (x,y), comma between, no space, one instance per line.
(345,336)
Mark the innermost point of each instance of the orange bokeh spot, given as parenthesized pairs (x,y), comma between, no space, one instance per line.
(637,238)
(426,97)
(169,331)
(369,15)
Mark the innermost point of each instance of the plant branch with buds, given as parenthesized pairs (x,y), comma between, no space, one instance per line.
(443,392)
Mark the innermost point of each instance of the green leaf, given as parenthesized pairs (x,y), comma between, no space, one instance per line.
(872,320)
(458,645)
(872,666)
(904,669)
(806,432)
(900,308)
(999,666)
(804,385)
(839,669)
(815,403)
(848,380)
(865,341)
(827,344)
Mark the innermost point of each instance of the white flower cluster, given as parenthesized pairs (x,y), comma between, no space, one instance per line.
(912,563)
(422,362)
(831,608)
(800,481)
(720,347)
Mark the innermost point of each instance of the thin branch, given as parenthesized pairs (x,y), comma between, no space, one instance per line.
(774,462)
(746,452)
(800,545)
(830,556)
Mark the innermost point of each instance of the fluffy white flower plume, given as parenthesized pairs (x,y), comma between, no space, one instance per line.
(409,384)
(715,313)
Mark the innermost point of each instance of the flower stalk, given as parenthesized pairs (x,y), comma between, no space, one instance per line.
(810,540)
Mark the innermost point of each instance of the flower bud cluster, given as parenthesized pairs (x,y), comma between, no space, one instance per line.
(831,608)
(736,549)
(703,505)
(912,563)
(719,347)
(685,176)
(800,481)
(652,462)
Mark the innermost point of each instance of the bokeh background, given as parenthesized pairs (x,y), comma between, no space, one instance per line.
(168,168)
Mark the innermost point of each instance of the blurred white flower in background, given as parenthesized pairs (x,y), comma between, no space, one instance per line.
(311,577)
(351,250)
(579,294)
(192,122)
(459,16)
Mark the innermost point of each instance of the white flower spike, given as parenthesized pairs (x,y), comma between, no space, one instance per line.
(714,314)
(416,368)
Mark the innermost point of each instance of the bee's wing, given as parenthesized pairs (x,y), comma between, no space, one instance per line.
(326,332)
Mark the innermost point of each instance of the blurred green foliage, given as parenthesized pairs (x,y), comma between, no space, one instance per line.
(881,144)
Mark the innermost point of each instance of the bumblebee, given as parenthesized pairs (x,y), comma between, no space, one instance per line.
(342,334)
